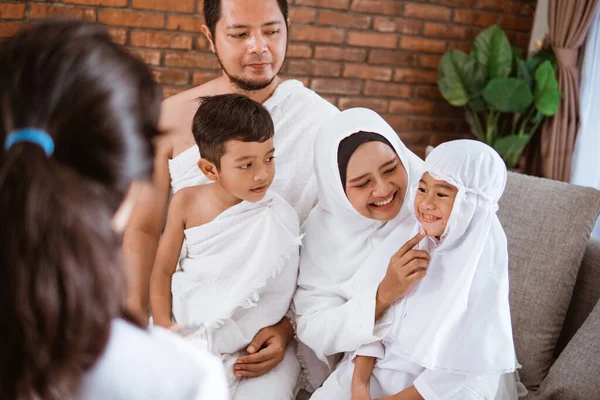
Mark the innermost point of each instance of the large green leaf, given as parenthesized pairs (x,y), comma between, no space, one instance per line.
(538,58)
(474,123)
(492,50)
(523,72)
(517,58)
(460,78)
(545,94)
(508,94)
(511,147)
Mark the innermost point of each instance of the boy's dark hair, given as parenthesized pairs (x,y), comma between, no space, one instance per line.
(61,277)
(212,13)
(229,117)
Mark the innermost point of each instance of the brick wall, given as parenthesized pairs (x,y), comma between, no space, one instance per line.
(381,54)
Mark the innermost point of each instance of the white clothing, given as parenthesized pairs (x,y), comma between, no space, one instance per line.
(239,276)
(297,114)
(153,364)
(331,316)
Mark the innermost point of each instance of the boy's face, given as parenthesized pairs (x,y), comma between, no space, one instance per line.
(250,41)
(376,181)
(433,204)
(247,169)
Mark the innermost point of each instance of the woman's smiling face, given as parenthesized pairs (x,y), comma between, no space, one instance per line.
(376,181)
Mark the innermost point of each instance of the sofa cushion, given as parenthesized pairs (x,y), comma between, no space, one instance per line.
(585,295)
(548,224)
(576,372)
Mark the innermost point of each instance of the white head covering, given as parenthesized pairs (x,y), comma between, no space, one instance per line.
(464,297)
(338,239)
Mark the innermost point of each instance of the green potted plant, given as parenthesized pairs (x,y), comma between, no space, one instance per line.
(505,97)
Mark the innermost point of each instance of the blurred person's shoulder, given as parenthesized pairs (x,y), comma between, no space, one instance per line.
(153,363)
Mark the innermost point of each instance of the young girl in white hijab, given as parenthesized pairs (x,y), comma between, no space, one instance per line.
(451,336)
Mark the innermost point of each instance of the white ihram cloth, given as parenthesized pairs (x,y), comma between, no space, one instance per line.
(451,335)
(239,276)
(332,317)
(297,114)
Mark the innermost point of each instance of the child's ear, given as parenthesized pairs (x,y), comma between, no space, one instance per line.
(208,169)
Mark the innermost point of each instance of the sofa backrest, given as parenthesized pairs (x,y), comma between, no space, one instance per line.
(547,224)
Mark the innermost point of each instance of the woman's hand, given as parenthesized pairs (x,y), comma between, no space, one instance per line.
(405,268)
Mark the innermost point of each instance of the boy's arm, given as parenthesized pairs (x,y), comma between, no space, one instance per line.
(363,368)
(143,230)
(167,257)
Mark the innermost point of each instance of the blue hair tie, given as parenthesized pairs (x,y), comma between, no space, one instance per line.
(31,135)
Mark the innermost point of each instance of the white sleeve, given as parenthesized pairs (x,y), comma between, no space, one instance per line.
(213,385)
(330,324)
(374,349)
(442,385)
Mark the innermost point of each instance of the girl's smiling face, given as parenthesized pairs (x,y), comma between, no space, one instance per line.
(433,204)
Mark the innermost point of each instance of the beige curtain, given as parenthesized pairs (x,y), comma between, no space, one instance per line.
(568,22)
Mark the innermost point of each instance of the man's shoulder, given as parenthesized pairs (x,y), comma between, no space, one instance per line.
(312,99)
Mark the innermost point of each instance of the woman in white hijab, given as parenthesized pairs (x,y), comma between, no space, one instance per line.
(362,171)
(451,335)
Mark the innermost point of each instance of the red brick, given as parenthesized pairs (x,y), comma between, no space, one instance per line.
(414,139)
(202,43)
(313,68)
(454,3)
(422,45)
(344,19)
(521,24)
(332,99)
(185,23)
(448,110)
(474,18)
(528,10)
(432,125)
(339,4)
(437,139)
(366,39)
(386,89)
(411,107)
(399,124)
(406,26)
(433,29)
(12,11)
(406,75)
(427,12)
(171,77)
(377,105)
(338,53)
(523,41)
(299,51)
(8,29)
(382,7)
(104,3)
(191,60)
(161,40)
(44,11)
(304,79)
(119,36)
(313,34)
(134,19)
(336,86)
(429,61)
(201,77)
(504,6)
(151,57)
(391,57)
(367,72)
(172,91)
(302,15)
(428,93)
(462,46)
(183,6)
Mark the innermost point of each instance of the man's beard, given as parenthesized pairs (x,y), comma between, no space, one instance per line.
(247,85)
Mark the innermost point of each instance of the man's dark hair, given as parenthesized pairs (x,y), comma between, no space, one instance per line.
(229,117)
(212,13)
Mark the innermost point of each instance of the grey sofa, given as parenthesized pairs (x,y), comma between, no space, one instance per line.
(555,285)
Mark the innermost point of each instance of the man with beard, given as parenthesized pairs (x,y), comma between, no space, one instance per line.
(249,38)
